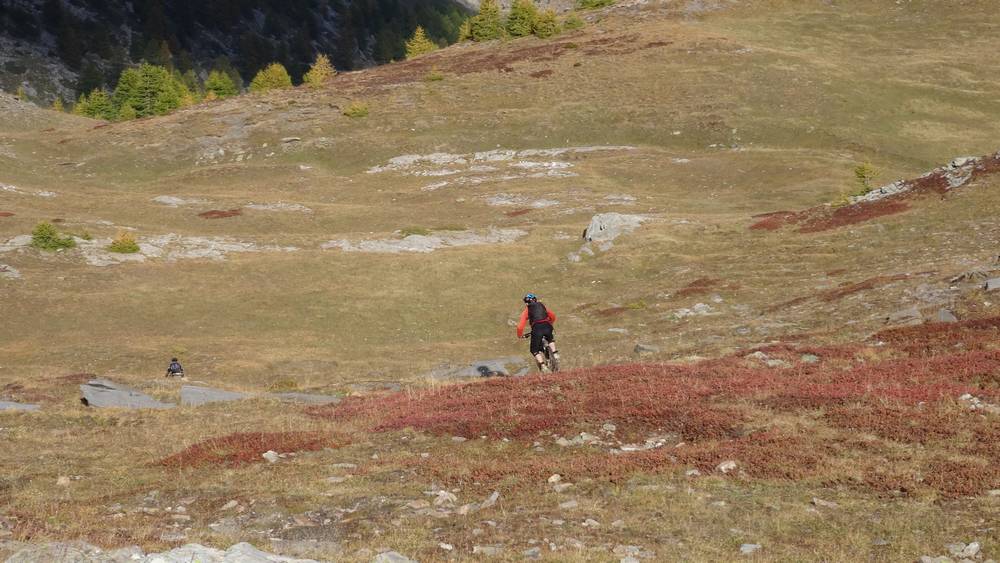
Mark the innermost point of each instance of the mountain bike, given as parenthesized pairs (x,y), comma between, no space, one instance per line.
(551,361)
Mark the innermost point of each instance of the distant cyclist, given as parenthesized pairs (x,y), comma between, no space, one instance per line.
(175,369)
(541,320)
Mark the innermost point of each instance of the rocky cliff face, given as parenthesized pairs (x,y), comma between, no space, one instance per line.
(63,47)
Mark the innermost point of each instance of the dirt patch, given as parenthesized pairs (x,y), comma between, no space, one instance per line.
(542,73)
(75,378)
(699,286)
(243,448)
(220,214)
(518,212)
(864,285)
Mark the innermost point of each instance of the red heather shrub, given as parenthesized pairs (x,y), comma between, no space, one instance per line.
(220,214)
(930,338)
(824,220)
(6,214)
(243,448)
(765,455)
(902,423)
(518,212)
(774,221)
(637,397)
(963,478)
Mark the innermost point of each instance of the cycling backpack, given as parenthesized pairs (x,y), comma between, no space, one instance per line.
(175,367)
(537,312)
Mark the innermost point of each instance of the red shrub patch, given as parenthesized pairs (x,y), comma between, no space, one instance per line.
(825,217)
(929,338)
(766,455)
(612,311)
(6,214)
(773,221)
(518,212)
(243,448)
(699,286)
(902,423)
(542,73)
(852,214)
(219,214)
(962,479)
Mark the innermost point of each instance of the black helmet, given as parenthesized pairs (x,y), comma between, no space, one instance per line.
(173,359)
(530,298)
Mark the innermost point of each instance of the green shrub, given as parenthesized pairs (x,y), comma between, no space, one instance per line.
(864,174)
(124,243)
(356,109)
(409,231)
(546,25)
(320,72)
(573,21)
(592,4)
(488,24)
(434,75)
(220,85)
(419,44)
(272,77)
(521,19)
(46,237)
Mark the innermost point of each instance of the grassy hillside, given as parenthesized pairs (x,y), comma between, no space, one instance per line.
(701,120)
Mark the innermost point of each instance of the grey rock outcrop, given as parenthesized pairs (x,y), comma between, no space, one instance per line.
(482,368)
(103,393)
(12,406)
(193,396)
(606,227)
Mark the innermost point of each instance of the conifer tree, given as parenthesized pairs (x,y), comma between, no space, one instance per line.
(271,77)
(320,71)
(57,105)
(522,18)
(127,112)
(99,105)
(546,25)
(220,84)
(488,24)
(419,44)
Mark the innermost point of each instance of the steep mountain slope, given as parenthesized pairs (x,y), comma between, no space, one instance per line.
(73,46)
(286,246)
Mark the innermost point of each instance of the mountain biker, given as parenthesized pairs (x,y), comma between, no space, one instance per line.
(541,319)
(175,369)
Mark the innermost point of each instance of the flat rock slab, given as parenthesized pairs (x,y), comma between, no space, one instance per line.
(481,368)
(79,552)
(11,406)
(196,395)
(193,395)
(992,284)
(103,393)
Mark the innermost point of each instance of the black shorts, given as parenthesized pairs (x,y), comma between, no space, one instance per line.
(537,332)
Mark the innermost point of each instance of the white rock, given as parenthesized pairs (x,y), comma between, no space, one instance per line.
(749,548)
(271,456)
(555,478)
(609,226)
(726,466)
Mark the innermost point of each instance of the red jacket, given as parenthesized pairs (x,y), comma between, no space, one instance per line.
(524,321)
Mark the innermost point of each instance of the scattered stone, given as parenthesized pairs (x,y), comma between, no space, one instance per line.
(777,364)
(562,487)
(102,393)
(618,330)
(446,546)
(291,139)
(992,284)
(591,523)
(445,498)
(491,500)
(618,524)
(749,548)
(532,553)
(965,551)
(271,456)
(9,272)
(642,349)
(230,505)
(11,406)
(173,201)
(306,398)
(824,503)
(458,439)
(194,396)
(945,316)
(726,466)
(692,473)
(609,226)
(428,243)
(699,310)
(487,550)
(392,557)
(279,206)
(809,359)
(555,478)
(910,315)
(569,505)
